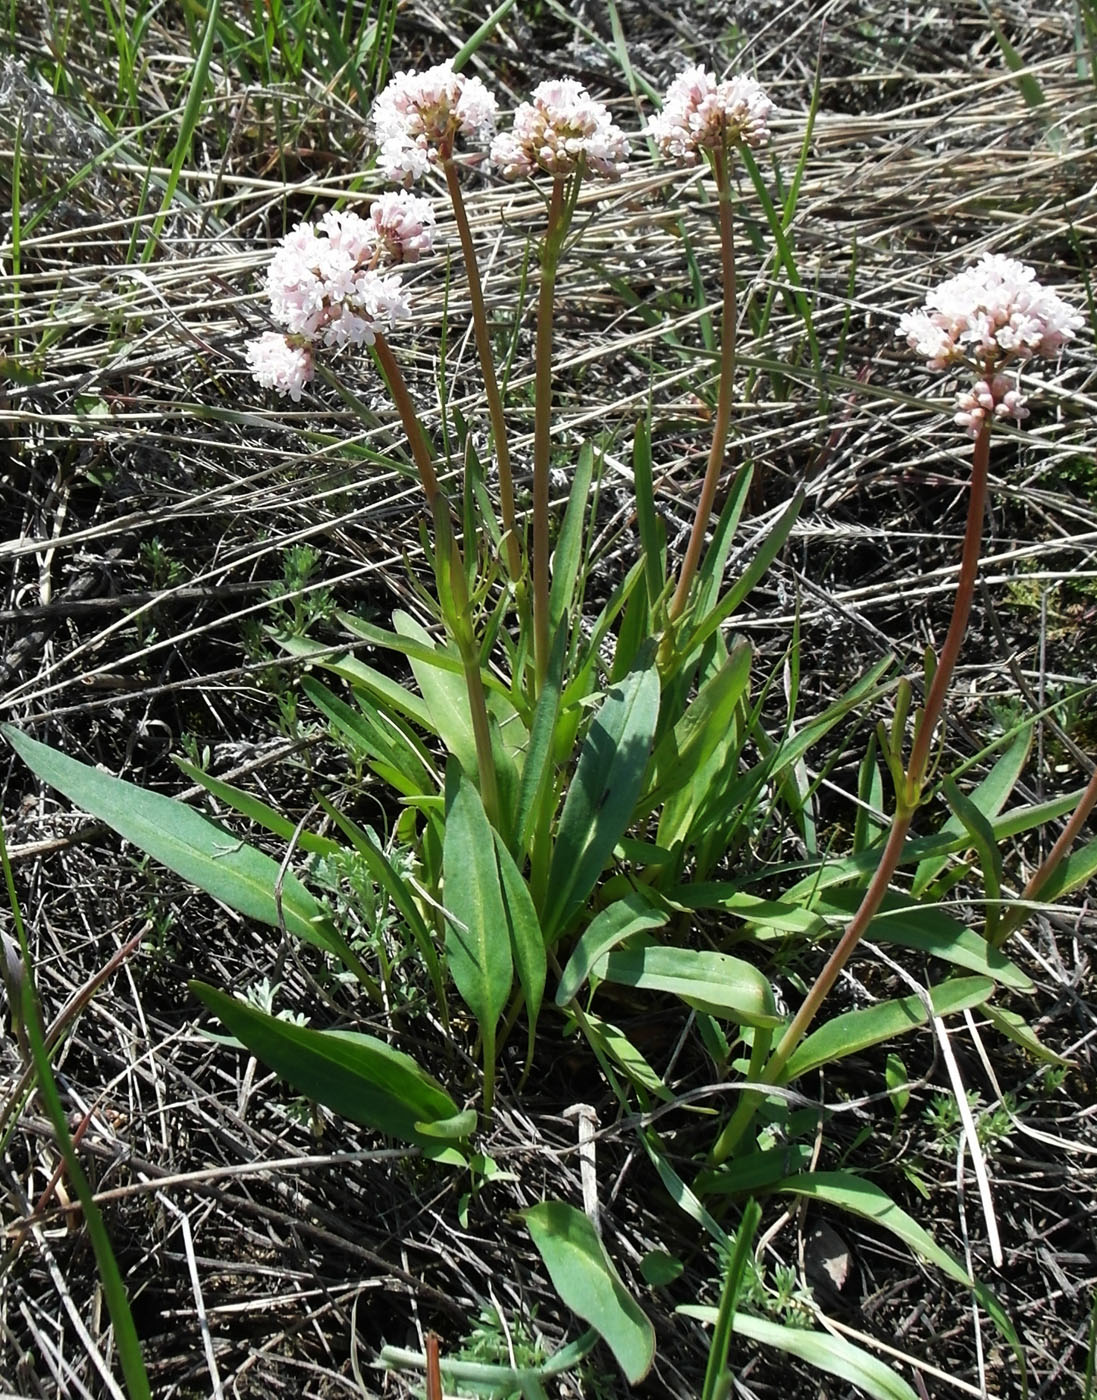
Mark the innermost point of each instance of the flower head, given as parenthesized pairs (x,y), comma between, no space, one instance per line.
(419,114)
(280,363)
(988,314)
(323,284)
(700,113)
(561,127)
(986,317)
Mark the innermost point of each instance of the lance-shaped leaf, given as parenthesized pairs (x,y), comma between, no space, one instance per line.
(602,797)
(357,1076)
(853,1031)
(186,842)
(822,1350)
(478,940)
(848,1192)
(583,1275)
(620,920)
(713,982)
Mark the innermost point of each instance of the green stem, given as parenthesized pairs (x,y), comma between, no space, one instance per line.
(450,572)
(718,447)
(907,801)
(487,369)
(417,440)
(1014,918)
(542,425)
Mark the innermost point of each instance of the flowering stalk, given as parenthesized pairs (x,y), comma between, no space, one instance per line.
(450,571)
(542,427)
(487,369)
(908,797)
(705,117)
(561,131)
(983,318)
(715,465)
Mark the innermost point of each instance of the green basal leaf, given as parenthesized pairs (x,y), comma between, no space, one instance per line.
(848,1192)
(478,948)
(989,797)
(1017,1029)
(905,925)
(825,1352)
(388,692)
(567,557)
(614,1044)
(602,795)
(441,683)
(583,1275)
(524,930)
(757,1171)
(713,982)
(256,811)
(1079,868)
(700,731)
(185,841)
(633,914)
(357,1076)
(854,1031)
(982,838)
(397,755)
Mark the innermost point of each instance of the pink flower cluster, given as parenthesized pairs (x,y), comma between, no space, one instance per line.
(325,286)
(561,129)
(700,113)
(986,317)
(418,116)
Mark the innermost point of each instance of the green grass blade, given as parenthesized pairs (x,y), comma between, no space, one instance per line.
(187,127)
(114,1288)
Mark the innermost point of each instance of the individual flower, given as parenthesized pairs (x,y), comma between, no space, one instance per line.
(986,317)
(403,227)
(418,115)
(280,363)
(700,113)
(559,129)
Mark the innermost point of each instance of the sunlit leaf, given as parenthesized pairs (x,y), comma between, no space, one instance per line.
(583,1275)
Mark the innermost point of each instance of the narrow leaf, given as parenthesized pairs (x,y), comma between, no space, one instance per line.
(602,797)
(185,841)
(632,914)
(357,1076)
(825,1352)
(583,1275)
(477,942)
(854,1031)
(524,929)
(713,982)
(865,1198)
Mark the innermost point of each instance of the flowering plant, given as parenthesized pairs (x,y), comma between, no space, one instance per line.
(575,772)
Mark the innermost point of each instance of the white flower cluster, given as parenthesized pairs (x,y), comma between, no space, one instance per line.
(700,113)
(560,129)
(418,115)
(326,287)
(986,317)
